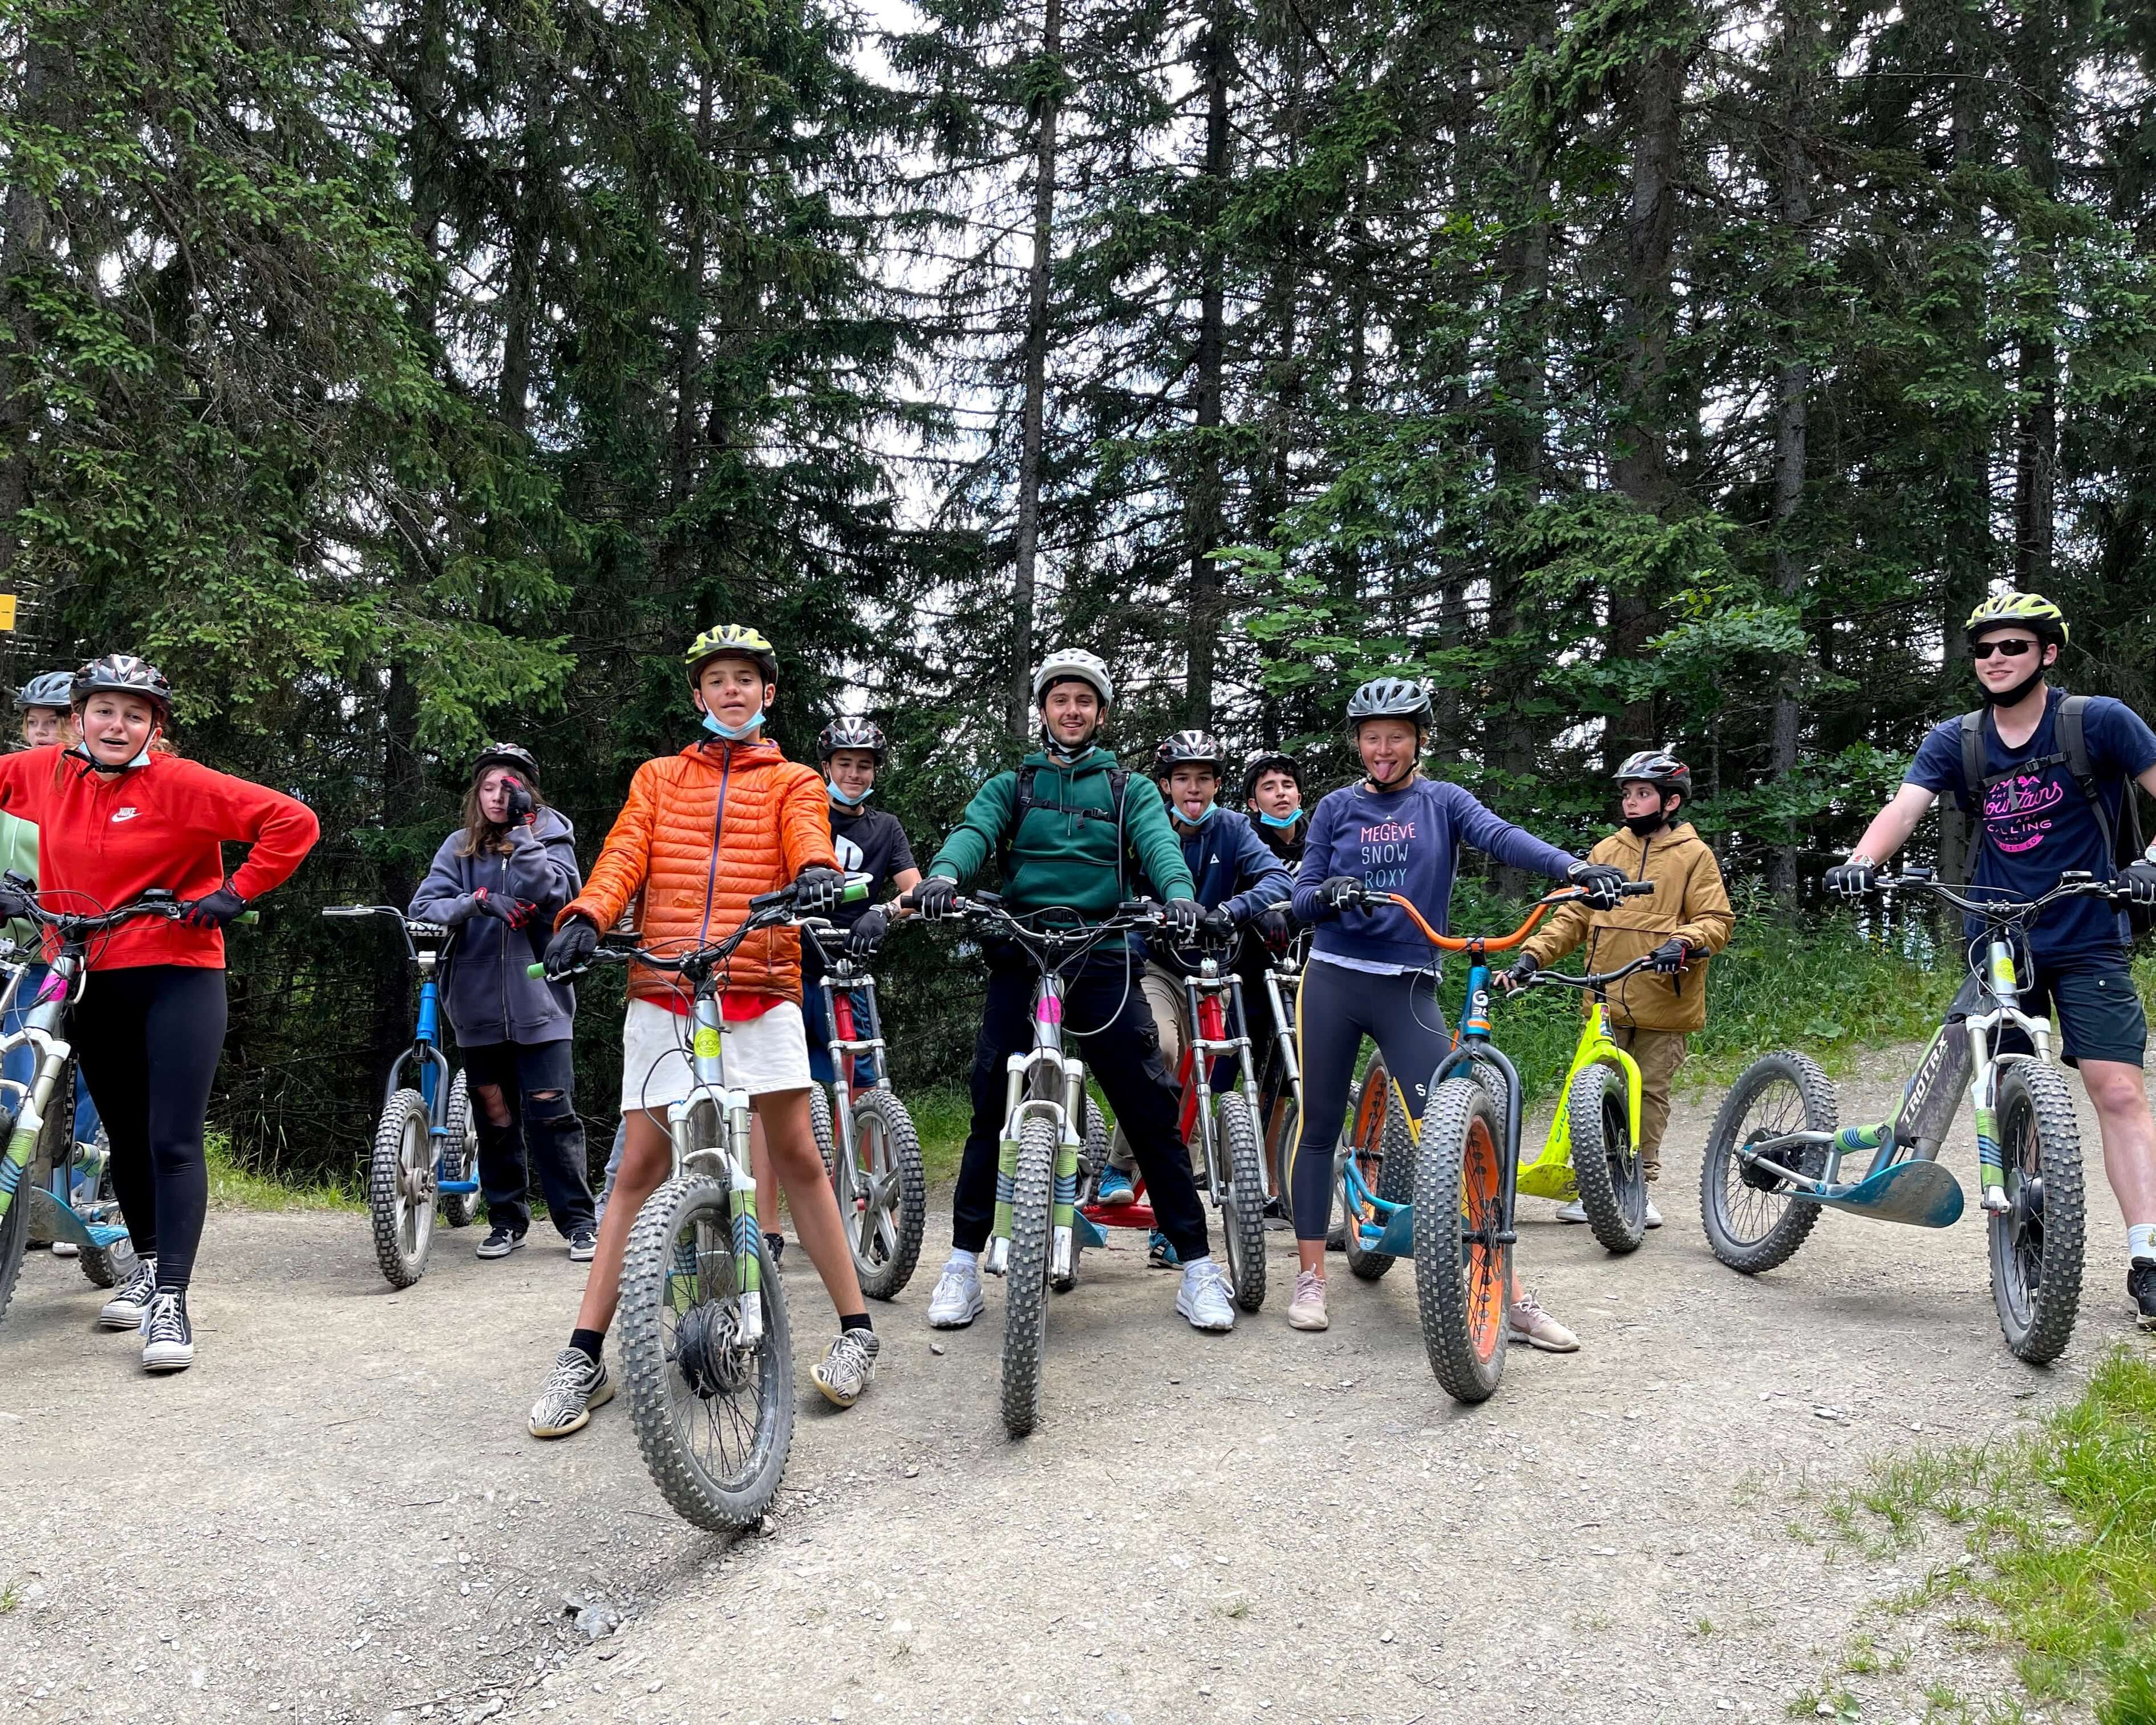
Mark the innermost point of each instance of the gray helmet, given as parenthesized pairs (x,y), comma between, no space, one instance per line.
(849,733)
(1658,768)
(53,688)
(1189,748)
(122,673)
(1389,698)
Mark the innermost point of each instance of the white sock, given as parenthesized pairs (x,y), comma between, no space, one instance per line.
(1191,1266)
(962,1260)
(2141,1241)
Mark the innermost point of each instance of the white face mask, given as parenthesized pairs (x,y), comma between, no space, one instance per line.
(851,800)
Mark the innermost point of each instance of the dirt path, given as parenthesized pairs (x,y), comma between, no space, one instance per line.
(337,1516)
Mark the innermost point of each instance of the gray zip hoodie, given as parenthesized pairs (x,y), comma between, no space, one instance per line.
(486,995)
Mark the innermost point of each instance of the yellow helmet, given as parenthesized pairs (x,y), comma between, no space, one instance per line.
(2030,611)
(731,640)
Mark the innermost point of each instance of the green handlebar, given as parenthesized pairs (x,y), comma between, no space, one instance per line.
(855,891)
(249,917)
(536,972)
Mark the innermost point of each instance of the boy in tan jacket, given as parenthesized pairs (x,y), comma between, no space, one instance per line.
(1680,924)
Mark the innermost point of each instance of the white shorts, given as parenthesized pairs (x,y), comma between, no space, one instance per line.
(770,1053)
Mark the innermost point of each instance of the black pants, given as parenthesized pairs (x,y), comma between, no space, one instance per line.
(535,1081)
(148,1038)
(1337,1009)
(1123,1051)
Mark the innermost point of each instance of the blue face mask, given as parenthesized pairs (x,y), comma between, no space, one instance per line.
(732,733)
(1279,820)
(850,801)
(1197,820)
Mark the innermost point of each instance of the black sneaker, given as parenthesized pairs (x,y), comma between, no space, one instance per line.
(501,1243)
(583,1245)
(168,1339)
(2141,1289)
(131,1300)
(773,1245)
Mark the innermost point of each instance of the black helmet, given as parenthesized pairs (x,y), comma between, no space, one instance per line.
(53,688)
(1388,698)
(1269,760)
(122,673)
(849,733)
(512,755)
(1187,749)
(1658,768)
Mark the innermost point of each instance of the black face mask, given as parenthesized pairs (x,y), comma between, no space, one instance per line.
(1645,826)
(2007,697)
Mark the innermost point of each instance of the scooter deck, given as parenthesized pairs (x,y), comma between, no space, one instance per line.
(1923,1194)
(61,1223)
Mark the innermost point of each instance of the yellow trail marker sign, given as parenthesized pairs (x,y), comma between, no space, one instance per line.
(6,610)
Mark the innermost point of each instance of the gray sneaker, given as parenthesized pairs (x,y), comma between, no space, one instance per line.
(578,1384)
(131,1299)
(583,1245)
(849,1369)
(500,1242)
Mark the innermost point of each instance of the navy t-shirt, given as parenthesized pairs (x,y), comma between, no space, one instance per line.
(2035,823)
(868,841)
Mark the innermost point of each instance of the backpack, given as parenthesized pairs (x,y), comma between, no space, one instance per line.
(2123,842)
(1023,801)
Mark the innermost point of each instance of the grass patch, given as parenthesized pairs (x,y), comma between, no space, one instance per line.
(940,1117)
(10,1597)
(235,1186)
(2062,1541)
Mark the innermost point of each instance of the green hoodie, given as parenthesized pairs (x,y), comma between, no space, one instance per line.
(1062,856)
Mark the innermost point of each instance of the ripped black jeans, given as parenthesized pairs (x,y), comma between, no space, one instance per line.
(535,1081)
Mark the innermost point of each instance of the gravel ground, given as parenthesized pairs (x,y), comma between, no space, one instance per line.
(337,1515)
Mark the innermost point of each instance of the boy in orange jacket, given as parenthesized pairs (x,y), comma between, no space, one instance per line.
(702,833)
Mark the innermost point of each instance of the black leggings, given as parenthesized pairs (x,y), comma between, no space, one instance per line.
(148,1037)
(1337,1009)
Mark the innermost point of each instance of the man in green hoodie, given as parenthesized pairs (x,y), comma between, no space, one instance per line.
(1074,831)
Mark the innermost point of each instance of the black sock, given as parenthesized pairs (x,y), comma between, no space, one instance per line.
(589,1341)
(859,1321)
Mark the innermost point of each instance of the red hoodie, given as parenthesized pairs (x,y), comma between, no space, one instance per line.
(159,824)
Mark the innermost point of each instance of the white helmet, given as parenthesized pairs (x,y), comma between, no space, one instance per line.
(1068,662)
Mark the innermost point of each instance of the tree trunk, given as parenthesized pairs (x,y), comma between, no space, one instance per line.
(1032,410)
(1208,591)
(1640,466)
(1792,397)
(23,229)
(2036,435)
(675,552)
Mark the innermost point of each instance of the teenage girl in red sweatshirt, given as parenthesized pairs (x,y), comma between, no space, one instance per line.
(116,817)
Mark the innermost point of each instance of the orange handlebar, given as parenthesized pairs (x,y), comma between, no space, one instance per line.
(1453,944)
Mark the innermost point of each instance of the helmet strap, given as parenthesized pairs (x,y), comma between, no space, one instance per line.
(2008,697)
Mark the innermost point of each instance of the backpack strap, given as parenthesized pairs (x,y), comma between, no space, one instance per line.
(1972,762)
(1023,803)
(2073,744)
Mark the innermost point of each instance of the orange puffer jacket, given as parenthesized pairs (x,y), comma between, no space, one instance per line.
(702,833)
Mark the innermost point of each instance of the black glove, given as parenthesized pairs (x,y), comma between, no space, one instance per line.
(1669,957)
(1183,916)
(1217,925)
(1601,881)
(817,888)
(523,808)
(214,910)
(936,895)
(1513,980)
(1337,892)
(2139,878)
(13,904)
(862,938)
(571,950)
(515,911)
(1278,927)
(1852,879)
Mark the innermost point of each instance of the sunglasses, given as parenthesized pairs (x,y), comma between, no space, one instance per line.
(2013,648)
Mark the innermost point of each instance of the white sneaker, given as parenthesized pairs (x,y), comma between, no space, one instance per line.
(1204,1297)
(1306,1310)
(1654,1215)
(849,1369)
(1573,1212)
(66,1248)
(958,1300)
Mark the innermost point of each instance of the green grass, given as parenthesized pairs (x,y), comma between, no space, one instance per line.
(941,1116)
(2062,1527)
(237,1188)
(10,1597)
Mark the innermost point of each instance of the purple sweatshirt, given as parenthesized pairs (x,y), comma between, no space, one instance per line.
(1405,841)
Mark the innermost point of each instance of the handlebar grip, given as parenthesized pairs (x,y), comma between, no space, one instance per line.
(347,910)
(1636,889)
(249,917)
(537,972)
(765,901)
(855,891)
